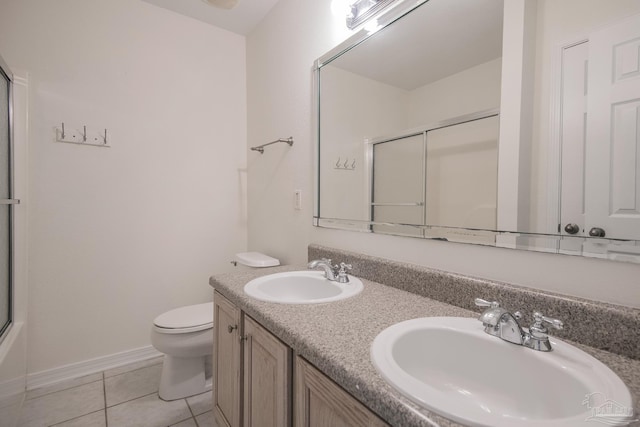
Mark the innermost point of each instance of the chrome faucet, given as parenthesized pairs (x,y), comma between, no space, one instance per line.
(335,273)
(501,323)
(325,264)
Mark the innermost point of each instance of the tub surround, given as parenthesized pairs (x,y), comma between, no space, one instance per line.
(336,337)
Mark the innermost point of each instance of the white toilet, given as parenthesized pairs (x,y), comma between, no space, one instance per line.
(185,336)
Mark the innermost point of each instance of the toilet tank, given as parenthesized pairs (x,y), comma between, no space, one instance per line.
(250,260)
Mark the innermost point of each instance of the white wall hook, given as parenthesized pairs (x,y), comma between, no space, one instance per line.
(345,165)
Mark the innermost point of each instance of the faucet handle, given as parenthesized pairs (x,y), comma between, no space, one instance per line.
(345,267)
(484,303)
(538,338)
(540,319)
(342,275)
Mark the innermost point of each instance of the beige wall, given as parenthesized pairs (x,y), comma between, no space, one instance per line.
(280,53)
(382,110)
(469,91)
(119,235)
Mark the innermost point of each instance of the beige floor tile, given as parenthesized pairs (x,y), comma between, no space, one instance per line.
(206,420)
(96,419)
(132,385)
(10,411)
(201,403)
(63,385)
(148,411)
(186,423)
(63,405)
(133,366)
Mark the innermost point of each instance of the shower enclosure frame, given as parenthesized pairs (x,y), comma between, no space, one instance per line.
(5,326)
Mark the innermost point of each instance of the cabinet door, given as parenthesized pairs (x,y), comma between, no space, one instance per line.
(322,403)
(227,357)
(267,378)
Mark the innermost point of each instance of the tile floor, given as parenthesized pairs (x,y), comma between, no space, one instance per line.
(122,397)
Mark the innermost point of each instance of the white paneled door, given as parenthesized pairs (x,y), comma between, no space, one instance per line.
(612,190)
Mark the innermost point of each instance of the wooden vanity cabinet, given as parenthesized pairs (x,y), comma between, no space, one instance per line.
(319,402)
(253,381)
(252,371)
(267,378)
(227,361)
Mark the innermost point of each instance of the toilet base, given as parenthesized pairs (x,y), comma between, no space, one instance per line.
(183,377)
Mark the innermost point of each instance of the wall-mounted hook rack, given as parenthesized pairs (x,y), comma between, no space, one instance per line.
(73,136)
(345,165)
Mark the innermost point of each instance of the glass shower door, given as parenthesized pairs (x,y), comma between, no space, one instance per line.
(6,201)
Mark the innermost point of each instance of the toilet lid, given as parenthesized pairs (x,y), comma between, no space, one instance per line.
(189,317)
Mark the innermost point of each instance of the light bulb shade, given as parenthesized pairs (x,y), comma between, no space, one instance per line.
(222,4)
(361,10)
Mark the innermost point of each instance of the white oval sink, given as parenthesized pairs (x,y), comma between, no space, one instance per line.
(451,366)
(301,287)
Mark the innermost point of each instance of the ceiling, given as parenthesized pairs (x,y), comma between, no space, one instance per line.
(241,19)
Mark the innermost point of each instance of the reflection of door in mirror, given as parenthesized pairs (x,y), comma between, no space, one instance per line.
(613,131)
(600,187)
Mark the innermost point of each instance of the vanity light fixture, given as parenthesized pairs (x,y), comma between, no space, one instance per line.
(361,10)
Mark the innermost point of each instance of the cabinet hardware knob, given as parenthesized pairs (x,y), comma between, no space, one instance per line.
(596,232)
(231,328)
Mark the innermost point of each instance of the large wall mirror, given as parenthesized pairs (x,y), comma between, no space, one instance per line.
(508,123)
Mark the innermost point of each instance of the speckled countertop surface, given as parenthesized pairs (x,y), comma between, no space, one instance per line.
(336,337)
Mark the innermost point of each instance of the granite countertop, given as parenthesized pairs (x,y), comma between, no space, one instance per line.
(336,338)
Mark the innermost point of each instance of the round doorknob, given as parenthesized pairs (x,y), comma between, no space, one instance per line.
(571,228)
(596,232)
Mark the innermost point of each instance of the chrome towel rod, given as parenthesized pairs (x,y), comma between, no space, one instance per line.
(260,148)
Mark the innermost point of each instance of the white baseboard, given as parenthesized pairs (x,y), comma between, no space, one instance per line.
(91,366)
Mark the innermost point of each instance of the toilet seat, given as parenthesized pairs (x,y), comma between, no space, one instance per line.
(187,319)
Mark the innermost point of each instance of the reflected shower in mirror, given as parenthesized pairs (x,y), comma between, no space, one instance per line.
(530,143)
(445,176)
